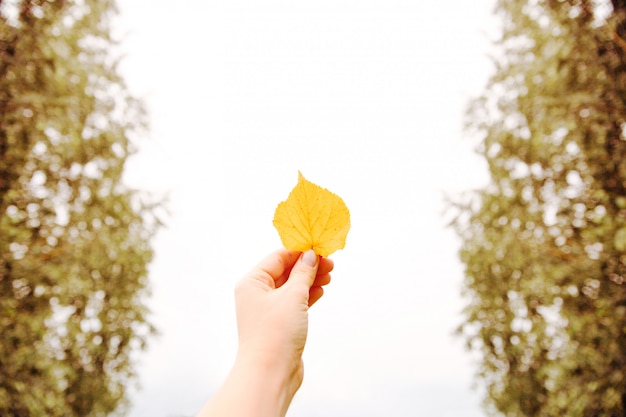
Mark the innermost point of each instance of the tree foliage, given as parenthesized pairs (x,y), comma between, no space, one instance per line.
(74,243)
(544,244)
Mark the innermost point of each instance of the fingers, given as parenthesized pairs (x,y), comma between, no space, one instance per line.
(276,268)
(304,271)
(315,293)
(277,262)
(321,280)
(326,266)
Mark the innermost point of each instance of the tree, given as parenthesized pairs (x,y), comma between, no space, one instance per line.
(75,242)
(544,243)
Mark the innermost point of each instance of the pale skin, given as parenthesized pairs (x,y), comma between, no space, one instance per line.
(272,304)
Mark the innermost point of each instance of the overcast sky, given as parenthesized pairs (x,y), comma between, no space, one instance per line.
(366,98)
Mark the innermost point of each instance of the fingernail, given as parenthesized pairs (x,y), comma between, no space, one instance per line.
(309,258)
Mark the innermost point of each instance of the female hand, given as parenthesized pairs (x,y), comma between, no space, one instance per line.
(272,307)
(272,303)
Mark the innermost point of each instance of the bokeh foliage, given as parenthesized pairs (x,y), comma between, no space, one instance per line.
(74,241)
(544,243)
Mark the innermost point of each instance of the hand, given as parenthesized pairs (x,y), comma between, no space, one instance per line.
(272,309)
(272,319)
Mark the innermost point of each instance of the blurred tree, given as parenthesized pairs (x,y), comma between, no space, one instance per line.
(544,244)
(74,243)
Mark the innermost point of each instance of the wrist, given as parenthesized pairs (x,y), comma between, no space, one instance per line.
(271,382)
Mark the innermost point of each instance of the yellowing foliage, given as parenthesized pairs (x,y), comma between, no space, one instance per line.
(312,218)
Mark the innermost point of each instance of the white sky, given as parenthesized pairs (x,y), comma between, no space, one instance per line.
(366,98)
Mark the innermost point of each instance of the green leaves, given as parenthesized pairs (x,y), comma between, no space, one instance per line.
(620,240)
(544,244)
(76,242)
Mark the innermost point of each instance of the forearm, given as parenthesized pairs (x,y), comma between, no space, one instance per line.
(253,389)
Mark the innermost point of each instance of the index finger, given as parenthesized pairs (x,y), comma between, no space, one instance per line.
(278,265)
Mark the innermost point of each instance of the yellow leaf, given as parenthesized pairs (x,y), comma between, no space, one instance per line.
(312,218)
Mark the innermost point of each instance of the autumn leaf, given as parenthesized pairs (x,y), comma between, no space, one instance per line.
(312,218)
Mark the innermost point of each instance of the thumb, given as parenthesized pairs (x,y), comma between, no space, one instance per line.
(304,271)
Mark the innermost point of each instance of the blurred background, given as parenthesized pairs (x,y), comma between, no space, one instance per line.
(366,99)
(482,157)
